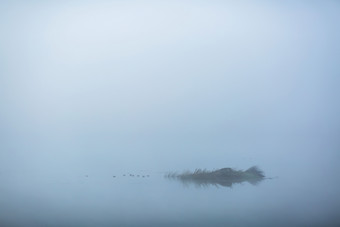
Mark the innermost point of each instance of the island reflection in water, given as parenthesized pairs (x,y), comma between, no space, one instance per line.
(225,177)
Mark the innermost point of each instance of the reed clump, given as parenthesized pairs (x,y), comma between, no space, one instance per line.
(224,177)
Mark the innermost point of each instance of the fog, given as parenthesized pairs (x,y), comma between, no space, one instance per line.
(92,90)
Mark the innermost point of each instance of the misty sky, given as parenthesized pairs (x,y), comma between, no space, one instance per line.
(102,86)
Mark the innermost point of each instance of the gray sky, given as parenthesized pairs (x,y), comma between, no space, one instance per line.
(95,86)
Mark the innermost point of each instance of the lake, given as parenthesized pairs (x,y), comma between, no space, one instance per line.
(104,200)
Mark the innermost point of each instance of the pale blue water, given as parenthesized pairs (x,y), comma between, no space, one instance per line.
(155,201)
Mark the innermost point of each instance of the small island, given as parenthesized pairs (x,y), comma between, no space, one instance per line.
(225,177)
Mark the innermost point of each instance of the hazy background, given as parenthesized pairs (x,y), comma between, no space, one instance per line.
(102,88)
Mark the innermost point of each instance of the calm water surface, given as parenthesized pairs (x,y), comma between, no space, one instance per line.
(97,200)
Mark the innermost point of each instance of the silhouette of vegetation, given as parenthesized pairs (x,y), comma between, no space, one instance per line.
(225,177)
